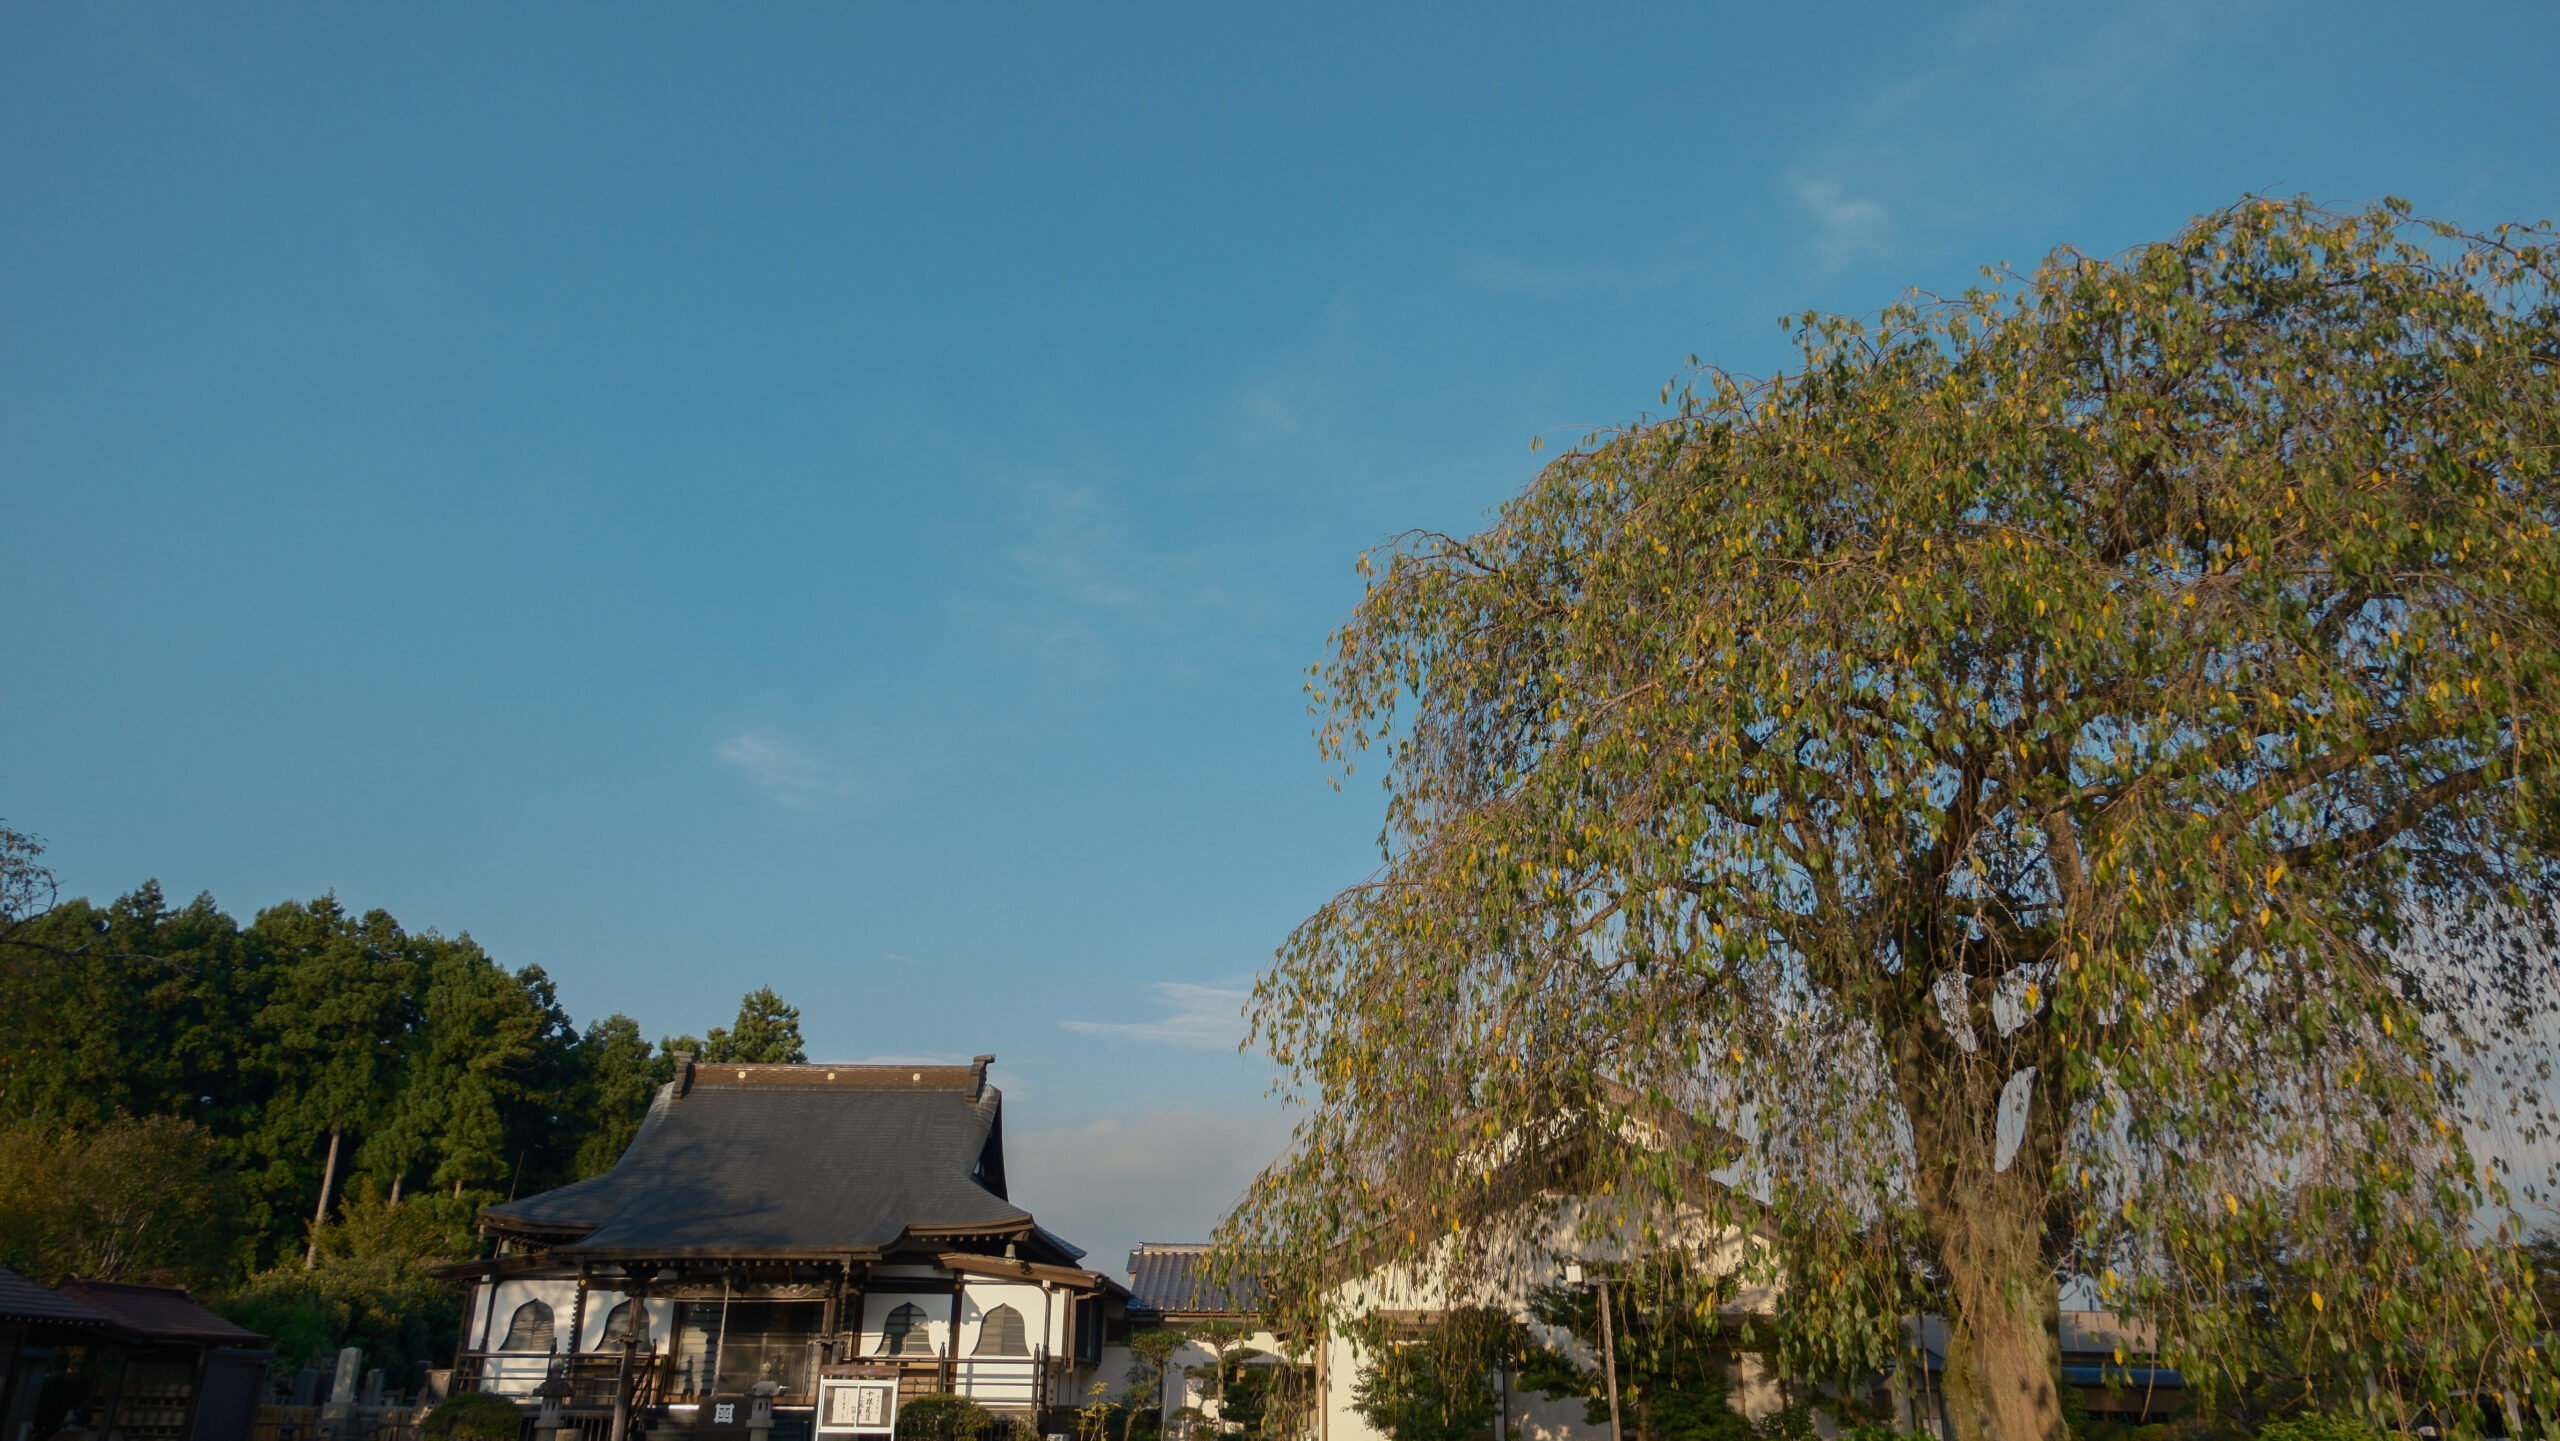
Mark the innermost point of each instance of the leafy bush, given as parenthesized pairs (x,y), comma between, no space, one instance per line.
(1425,1392)
(371,1287)
(2316,1427)
(475,1416)
(387,1304)
(943,1418)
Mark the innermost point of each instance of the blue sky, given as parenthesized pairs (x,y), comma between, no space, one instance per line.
(841,497)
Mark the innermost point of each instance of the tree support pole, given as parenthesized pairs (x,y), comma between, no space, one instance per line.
(1609,1358)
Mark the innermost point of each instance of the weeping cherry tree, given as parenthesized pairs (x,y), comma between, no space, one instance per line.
(2119,701)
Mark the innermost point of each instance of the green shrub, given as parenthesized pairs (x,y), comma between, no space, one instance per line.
(389,1304)
(475,1416)
(943,1418)
(2316,1427)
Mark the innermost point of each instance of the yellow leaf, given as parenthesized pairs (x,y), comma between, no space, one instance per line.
(2317,1304)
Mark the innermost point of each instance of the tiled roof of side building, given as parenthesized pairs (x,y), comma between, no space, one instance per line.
(1173,1278)
(790,1160)
(160,1313)
(24,1300)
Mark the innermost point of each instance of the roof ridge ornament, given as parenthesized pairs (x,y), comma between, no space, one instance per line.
(978,1074)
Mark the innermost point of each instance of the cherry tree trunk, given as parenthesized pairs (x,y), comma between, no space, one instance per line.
(1987,1222)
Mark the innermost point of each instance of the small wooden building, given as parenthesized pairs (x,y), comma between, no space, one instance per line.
(109,1361)
(783,1223)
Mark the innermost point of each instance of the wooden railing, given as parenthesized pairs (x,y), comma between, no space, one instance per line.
(1007,1382)
(310,1423)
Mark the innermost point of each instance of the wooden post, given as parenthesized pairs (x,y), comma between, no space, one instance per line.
(622,1389)
(827,1324)
(1609,1358)
(719,1340)
(488,1323)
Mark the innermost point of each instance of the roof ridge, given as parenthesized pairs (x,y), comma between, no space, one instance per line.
(837,1065)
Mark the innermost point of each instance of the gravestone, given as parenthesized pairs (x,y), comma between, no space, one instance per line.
(342,1386)
(371,1397)
(306,1386)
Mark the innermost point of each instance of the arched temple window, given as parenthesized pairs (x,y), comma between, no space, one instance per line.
(530,1330)
(1000,1334)
(616,1322)
(905,1333)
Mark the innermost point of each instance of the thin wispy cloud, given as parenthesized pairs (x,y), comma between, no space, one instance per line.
(1846,226)
(786,772)
(1198,1018)
(1069,540)
(1088,579)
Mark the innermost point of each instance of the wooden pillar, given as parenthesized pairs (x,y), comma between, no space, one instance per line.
(826,1347)
(622,1390)
(488,1319)
(951,1339)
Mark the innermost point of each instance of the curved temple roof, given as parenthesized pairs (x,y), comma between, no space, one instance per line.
(809,1160)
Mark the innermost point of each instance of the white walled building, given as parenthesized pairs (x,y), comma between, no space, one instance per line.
(774,1222)
(1169,1280)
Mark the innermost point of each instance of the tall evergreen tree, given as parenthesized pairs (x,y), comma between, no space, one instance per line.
(767,1032)
(620,1075)
(338,1005)
(133,1009)
(485,1078)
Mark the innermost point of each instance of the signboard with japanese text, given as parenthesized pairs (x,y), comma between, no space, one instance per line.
(857,1401)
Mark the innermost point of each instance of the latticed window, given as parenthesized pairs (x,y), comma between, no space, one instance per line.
(905,1333)
(530,1330)
(1000,1334)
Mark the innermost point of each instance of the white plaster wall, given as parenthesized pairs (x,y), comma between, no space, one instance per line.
(514,1372)
(1536,1256)
(659,1312)
(1028,1298)
(1536,1416)
(1112,1371)
(1526,1415)
(876,1307)
(1181,1390)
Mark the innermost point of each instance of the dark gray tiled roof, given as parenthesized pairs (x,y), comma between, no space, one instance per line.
(24,1300)
(1173,1278)
(158,1313)
(791,1160)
